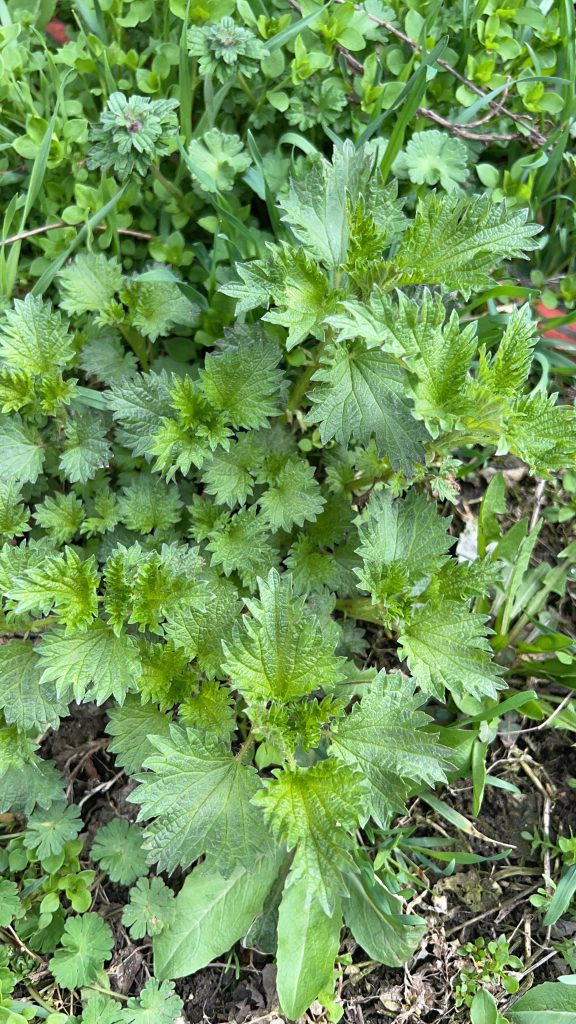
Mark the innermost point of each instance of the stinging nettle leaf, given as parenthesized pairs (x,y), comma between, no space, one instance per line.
(89,664)
(200,798)
(363,394)
(131,727)
(21,450)
(245,382)
(280,652)
(316,810)
(402,541)
(27,701)
(383,738)
(446,647)
(456,241)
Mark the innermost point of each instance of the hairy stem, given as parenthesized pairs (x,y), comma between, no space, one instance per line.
(172,189)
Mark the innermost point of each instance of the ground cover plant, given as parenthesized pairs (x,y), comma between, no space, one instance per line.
(272,385)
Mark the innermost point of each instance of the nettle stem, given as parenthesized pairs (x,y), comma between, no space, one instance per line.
(172,189)
(246,746)
(362,608)
(138,344)
(301,386)
(33,626)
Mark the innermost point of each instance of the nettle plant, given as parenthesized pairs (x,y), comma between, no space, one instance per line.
(201,545)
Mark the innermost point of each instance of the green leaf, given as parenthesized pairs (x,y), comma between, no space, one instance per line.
(308,943)
(241,543)
(493,505)
(316,810)
(49,831)
(117,848)
(382,737)
(147,504)
(363,394)
(9,902)
(456,240)
(293,498)
(21,450)
(150,908)
(85,449)
(484,1010)
(280,652)
(201,633)
(550,1003)
(133,132)
(296,284)
(438,354)
(28,781)
(506,372)
(61,515)
(89,284)
(562,897)
(316,207)
(155,307)
(433,157)
(13,514)
(217,159)
(244,381)
(26,700)
(100,1010)
(374,916)
(139,403)
(89,664)
(34,338)
(211,913)
(446,647)
(65,583)
(132,727)
(86,943)
(157,1004)
(542,433)
(402,541)
(105,358)
(199,796)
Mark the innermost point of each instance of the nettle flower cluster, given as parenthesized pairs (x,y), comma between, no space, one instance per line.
(202,543)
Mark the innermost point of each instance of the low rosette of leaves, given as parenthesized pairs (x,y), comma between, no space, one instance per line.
(133,133)
(208,535)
